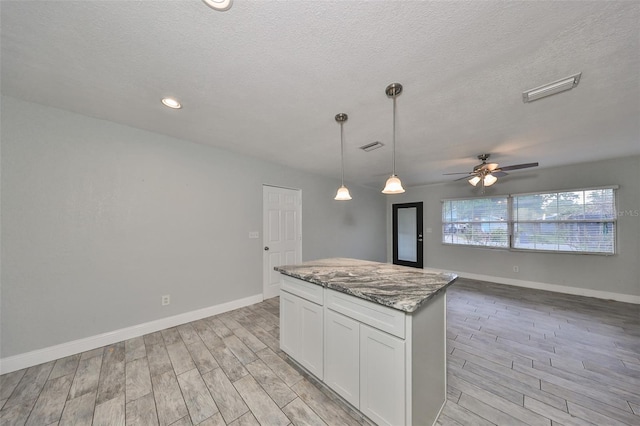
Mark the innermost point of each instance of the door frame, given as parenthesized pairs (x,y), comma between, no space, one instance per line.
(419,237)
(266,293)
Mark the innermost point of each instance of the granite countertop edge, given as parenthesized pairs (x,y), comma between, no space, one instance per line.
(381,301)
(404,306)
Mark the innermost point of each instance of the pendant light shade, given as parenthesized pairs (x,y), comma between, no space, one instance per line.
(474,180)
(393,185)
(343,194)
(343,191)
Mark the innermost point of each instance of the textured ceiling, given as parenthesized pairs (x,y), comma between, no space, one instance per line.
(266,78)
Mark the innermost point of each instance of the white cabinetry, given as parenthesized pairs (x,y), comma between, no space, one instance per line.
(289,324)
(382,364)
(302,325)
(388,364)
(342,356)
(311,326)
(363,364)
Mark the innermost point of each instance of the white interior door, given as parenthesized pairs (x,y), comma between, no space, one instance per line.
(282,233)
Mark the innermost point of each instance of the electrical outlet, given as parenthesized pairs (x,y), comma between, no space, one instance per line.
(516,269)
(429,230)
(166,299)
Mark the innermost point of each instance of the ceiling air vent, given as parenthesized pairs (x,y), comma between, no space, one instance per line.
(551,88)
(371,146)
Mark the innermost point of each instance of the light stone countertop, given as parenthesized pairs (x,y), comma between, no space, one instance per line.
(398,287)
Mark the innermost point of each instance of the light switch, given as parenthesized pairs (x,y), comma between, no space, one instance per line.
(429,230)
(254,234)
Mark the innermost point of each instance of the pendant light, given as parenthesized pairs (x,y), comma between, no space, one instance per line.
(343,191)
(393,185)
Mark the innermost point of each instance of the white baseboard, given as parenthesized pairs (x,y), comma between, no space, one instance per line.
(442,406)
(39,356)
(619,297)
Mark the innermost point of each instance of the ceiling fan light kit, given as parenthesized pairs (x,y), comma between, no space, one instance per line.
(393,185)
(474,180)
(558,86)
(489,180)
(488,173)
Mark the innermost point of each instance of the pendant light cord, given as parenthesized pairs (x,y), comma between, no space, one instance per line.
(342,150)
(394,135)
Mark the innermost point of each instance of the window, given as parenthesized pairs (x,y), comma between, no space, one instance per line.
(476,222)
(580,221)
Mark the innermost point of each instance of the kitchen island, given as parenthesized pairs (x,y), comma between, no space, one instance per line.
(374,333)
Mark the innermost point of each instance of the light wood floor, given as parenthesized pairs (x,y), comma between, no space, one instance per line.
(528,357)
(516,357)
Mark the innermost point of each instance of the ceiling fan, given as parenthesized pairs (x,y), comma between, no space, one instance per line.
(488,173)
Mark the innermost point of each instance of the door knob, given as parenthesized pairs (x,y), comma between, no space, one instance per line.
(266,249)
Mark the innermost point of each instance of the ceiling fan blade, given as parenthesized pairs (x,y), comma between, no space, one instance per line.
(518,166)
(463,178)
(461,173)
(499,173)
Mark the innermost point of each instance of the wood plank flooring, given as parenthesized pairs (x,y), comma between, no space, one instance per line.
(528,357)
(515,357)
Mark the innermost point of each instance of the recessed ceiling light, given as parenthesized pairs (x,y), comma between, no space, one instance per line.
(171,103)
(220,5)
(551,88)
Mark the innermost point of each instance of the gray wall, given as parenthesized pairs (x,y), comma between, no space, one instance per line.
(616,274)
(99,220)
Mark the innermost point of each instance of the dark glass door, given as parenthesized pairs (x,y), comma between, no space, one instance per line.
(407,234)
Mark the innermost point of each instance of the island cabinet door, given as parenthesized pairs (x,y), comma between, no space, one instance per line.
(311,327)
(301,331)
(341,359)
(289,324)
(382,376)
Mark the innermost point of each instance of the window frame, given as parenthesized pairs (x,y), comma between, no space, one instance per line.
(512,222)
(507,221)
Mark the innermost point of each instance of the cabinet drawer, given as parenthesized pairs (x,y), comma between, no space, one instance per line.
(378,316)
(308,291)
